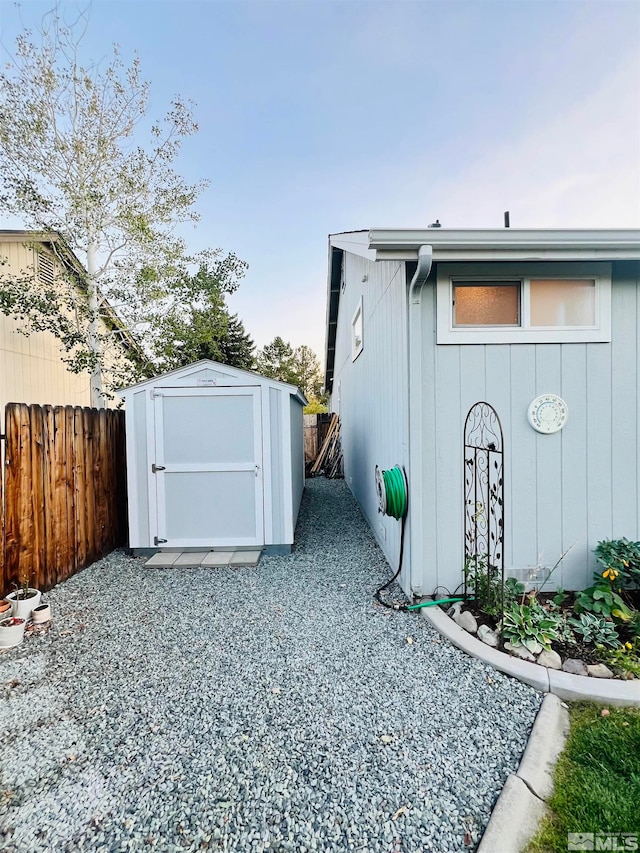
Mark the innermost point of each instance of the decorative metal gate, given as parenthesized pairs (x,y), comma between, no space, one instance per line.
(484,505)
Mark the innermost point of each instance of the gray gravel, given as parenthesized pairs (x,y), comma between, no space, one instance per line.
(267,709)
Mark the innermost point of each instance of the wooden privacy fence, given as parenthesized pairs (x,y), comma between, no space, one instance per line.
(63,486)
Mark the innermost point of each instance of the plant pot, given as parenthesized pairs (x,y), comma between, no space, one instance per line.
(41,614)
(5,609)
(22,607)
(11,632)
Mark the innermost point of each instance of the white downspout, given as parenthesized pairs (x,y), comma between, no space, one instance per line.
(416,433)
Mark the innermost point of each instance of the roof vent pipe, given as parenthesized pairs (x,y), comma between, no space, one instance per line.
(415,379)
(506,219)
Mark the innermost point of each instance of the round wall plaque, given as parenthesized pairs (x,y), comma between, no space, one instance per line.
(548,413)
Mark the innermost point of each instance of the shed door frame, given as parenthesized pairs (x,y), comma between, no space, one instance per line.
(157,486)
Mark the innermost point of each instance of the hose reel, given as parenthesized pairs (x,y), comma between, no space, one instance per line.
(392,489)
(393,496)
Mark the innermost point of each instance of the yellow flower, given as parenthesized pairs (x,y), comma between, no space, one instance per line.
(628,646)
(610,573)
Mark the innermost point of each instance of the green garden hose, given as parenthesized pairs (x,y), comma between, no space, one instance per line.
(392,491)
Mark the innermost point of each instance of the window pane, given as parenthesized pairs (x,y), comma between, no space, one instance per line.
(486,304)
(559,302)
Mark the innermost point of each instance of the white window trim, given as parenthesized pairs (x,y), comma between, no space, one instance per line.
(357,349)
(447,333)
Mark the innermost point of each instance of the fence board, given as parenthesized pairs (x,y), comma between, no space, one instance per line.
(70,474)
(64,491)
(51,517)
(35,573)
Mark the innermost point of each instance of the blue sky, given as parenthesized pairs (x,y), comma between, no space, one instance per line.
(318,116)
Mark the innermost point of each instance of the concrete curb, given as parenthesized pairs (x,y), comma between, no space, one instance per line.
(522,803)
(610,691)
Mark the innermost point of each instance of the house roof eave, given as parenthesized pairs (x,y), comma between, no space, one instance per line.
(507,243)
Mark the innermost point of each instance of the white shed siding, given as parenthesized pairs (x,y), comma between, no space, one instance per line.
(279,420)
(571,488)
(373,388)
(297,456)
(139,483)
(277,480)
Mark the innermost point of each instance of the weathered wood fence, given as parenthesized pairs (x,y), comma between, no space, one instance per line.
(63,490)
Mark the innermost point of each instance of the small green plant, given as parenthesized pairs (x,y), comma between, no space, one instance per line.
(486,585)
(530,625)
(595,629)
(623,660)
(602,600)
(560,597)
(513,590)
(565,631)
(621,561)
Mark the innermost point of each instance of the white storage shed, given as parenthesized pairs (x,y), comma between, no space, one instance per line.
(215,460)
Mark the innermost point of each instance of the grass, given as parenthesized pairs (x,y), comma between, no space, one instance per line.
(597,778)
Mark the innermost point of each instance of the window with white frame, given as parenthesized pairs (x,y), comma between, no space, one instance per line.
(357,332)
(525,303)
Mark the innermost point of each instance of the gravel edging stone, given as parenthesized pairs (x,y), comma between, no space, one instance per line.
(566,685)
(522,802)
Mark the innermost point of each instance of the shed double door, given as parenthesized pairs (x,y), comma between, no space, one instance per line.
(208,467)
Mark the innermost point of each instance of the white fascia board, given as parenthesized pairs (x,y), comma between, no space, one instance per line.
(356,242)
(498,244)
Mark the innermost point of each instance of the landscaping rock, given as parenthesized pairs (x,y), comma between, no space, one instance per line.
(599,670)
(467,621)
(550,659)
(488,636)
(575,666)
(519,651)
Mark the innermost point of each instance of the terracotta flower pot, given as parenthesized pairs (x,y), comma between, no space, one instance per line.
(5,609)
(11,632)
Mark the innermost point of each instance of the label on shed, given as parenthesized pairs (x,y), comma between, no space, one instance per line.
(206,381)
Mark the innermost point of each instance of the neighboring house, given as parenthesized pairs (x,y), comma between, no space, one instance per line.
(32,369)
(423,324)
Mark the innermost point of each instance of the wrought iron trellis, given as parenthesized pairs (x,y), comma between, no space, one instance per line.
(484,502)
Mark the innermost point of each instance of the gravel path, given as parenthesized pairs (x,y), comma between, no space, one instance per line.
(253,710)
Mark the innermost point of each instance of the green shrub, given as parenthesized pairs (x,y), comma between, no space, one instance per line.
(595,629)
(620,559)
(530,625)
(602,600)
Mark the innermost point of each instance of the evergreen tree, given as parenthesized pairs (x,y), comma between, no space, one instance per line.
(236,346)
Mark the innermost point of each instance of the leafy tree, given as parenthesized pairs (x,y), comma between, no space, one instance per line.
(315,407)
(199,324)
(71,163)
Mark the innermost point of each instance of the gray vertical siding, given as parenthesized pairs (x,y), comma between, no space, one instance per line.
(566,490)
(373,389)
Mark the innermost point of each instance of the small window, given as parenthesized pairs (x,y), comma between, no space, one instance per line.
(559,302)
(524,303)
(357,341)
(486,303)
